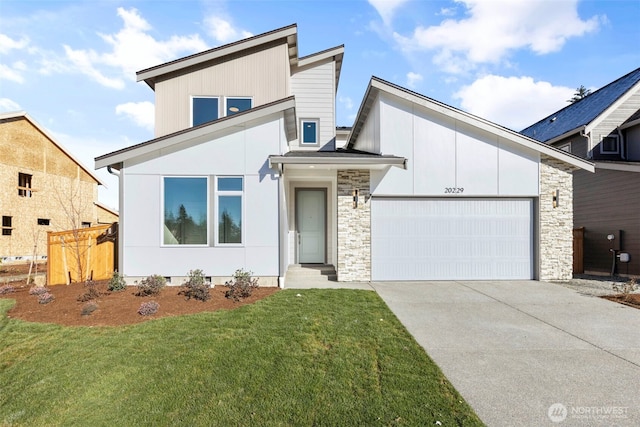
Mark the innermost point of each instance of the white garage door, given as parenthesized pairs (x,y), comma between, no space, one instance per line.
(451,239)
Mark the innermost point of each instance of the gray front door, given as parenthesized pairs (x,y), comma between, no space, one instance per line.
(311,225)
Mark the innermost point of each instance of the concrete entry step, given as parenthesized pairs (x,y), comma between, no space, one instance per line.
(317,273)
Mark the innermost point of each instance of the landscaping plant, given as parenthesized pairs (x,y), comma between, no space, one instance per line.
(90,292)
(117,282)
(38,290)
(626,288)
(45,298)
(6,289)
(241,286)
(151,285)
(148,308)
(196,287)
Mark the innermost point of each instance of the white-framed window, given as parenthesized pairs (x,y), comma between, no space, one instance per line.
(565,147)
(237,104)
(229,210)
(185,210)
(309,129)
(610,145)
(204,109)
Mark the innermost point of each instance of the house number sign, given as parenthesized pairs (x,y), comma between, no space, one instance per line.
(453,190)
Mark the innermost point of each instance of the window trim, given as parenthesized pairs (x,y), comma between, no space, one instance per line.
(227,98)
(203,96)
(617,142)
(217,194)
(317,137)
(162,218)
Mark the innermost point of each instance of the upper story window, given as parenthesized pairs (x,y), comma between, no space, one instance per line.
(309,130)
(237,105)
(24,185)
(565,147)
(6,226)
(229,200)
(610,145)
(204,109)
(186,211)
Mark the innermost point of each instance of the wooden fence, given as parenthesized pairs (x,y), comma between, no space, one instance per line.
(82,254)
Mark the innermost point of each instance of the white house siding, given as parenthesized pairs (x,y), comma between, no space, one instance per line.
(448,158)
(369,137)
(262,75)
(618,115)
(242,153)
(314,89)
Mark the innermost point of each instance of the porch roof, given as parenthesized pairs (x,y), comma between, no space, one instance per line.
(339,159)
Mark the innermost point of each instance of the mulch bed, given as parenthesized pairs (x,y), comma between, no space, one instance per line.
(632,300)
(116,308)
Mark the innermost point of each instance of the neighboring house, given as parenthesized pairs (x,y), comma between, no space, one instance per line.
(244,173)
(44,188)
(603,127)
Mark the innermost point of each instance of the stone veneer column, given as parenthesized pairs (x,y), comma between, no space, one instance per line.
(556,224)
(354,227)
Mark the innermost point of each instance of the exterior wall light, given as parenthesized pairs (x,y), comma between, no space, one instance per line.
(556,198)
(355,198)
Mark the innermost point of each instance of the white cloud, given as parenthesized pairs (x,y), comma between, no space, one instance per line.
(11,73)
(386,8)
(141,113)
(222,31)
(493,29)
(7,43)
(7,105)
(132,49)
(413,79)
(346,101)
(514,102)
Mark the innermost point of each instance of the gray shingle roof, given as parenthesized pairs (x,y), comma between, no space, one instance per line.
(582,112)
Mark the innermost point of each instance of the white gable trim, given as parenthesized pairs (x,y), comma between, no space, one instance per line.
(376,85)
(613,107)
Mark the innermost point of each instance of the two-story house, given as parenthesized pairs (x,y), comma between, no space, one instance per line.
(44,188)
(603,127)
(244,172)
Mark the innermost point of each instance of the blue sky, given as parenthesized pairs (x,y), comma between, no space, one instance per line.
(71,64)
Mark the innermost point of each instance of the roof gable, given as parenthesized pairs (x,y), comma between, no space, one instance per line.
(585,111)
(377,85)
(202,133)
(50,137)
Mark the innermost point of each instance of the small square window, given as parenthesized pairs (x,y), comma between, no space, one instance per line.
(237,105)
(609,145)
(565,147)
(309,131)
(24,185)
(6,226)
(43,221)
(86,224)
(204,109)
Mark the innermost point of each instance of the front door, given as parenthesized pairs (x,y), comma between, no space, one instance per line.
(311,225)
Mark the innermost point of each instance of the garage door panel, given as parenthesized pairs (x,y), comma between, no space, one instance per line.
(452,239)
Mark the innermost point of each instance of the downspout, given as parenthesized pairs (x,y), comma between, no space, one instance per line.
(584,134)
(120,228)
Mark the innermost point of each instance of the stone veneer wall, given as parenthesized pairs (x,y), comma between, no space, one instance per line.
(354,227)
(556,224)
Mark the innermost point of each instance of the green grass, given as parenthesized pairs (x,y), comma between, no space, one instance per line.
(323,358)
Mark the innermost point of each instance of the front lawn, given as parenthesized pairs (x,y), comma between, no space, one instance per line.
(313,357)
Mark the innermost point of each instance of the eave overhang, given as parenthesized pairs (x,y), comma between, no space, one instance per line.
(337,162)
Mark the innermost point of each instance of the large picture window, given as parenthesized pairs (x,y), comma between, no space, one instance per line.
(229,200)
(204,109)
(185,211)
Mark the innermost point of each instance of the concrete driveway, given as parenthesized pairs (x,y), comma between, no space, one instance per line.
(527,353)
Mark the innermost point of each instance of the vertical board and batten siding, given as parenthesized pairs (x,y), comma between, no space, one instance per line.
(604,203)
(314,89)
(262,75)
(448,158)
(369,137)
(242,153)
(609,123)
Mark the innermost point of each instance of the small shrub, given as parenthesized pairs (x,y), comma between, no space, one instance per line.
(151,285)
(7,289)
(89,308)
(117,282)
(45,298)
(626,288)
(90,292)
(241,286)
(148,308)
(38,290)
(196,287)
